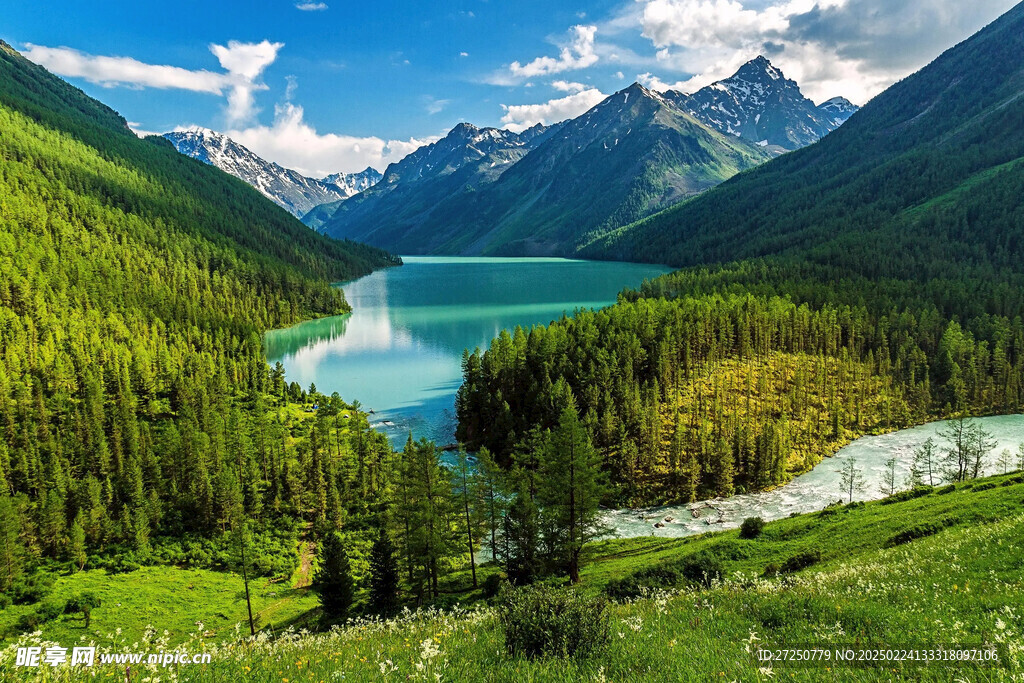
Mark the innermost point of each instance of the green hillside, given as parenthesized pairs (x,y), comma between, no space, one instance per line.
(941,567)
(135,399)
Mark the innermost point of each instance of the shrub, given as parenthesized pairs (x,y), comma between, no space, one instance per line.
(914,532)
(702,568)
(985,487)
(33,588)
(648,578)
(801,561)
(5,601)
(772,569)
(751,527)
(910,494)
(949,488)
(541,621)
(492,585)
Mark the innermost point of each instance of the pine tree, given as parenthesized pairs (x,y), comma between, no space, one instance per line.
(11,549)
(76,543)
(521,539)
(383,576)
(333,579)
(571,489)
(888,485)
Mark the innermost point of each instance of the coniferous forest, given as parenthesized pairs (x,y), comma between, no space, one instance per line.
(136,404)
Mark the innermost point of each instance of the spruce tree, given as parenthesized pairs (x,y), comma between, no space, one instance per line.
(383,575)
(333,579)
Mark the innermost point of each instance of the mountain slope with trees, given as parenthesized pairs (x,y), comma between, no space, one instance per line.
(631,155)
(135,397)
(887,258)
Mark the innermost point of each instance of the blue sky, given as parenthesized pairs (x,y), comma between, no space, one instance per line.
(331,85)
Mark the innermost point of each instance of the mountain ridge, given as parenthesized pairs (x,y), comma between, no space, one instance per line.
(289,189)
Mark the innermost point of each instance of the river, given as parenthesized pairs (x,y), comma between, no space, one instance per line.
(815,489)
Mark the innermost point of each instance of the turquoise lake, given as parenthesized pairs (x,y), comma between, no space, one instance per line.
(399,353)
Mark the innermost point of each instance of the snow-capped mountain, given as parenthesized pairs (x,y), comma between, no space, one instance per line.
(466,159)
(289,189)
(838,109)
(760,104)
(542,191)
(353,183)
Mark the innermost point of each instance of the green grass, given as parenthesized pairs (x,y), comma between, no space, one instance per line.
(962,584)
(167,599)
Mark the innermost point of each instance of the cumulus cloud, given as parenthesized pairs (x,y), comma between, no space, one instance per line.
(568,86)
(111,72)
(578,53)
(243,64)
(519,117)
(851,47)
(311,6)
(294,143)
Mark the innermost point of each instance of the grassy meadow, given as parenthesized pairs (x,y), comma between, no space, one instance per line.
(960,581)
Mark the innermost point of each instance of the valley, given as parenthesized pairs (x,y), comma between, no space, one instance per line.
(662,376)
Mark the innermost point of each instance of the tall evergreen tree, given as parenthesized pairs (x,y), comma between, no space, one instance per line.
(384,578)
(333,579)
(571,489)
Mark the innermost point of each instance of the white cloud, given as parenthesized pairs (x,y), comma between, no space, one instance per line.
(294,143)
(111,72)
(243,63)
(519,117)
(577,54)
(463,54)
(854,48)
(138,130)
(568,86)
(311,6)
(434,105)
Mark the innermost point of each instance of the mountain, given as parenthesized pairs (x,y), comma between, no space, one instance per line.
(462,162)
(353,183)
(926,180)
(758,103)
(137,285)
(541,192)
(287,188)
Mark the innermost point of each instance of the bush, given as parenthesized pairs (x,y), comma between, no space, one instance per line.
(949,488)
(914,532)
(5,601)
(541,621)
(751,527)
(985,487)
(492,585)
(702,568)
(910,494)
(801,561)
(772,569)
(643,580)
(33,588)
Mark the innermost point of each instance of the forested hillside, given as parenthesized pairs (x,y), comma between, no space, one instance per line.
(869,281)
(135,284)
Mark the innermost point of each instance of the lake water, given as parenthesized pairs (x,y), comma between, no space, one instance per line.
(815,489)
(399,352)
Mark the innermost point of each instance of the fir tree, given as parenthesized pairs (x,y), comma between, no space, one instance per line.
(333,579)
(384,581)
